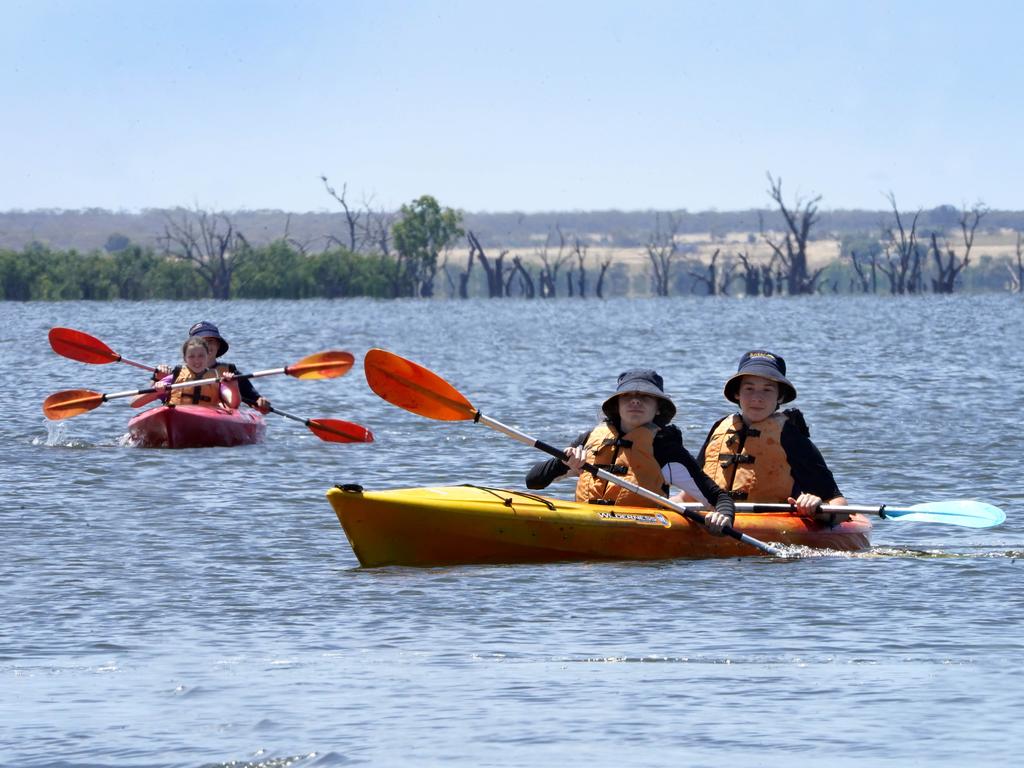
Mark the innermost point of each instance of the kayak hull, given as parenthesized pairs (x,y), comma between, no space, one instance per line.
(195,426)
(456,525)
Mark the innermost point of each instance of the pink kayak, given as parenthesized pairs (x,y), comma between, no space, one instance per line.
(195,426)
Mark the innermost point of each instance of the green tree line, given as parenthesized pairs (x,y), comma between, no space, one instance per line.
(278,270)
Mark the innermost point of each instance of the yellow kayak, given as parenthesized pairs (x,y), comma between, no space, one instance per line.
(452,525)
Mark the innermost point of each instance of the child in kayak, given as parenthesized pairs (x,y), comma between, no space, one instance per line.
(196,353)
(761,454)
(218,346)
(636,441)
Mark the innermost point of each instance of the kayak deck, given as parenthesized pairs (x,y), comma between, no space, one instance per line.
(452,525)
(195,426)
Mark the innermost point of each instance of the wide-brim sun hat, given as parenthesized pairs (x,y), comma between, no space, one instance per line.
(206,329)
(644,381)
(767,365)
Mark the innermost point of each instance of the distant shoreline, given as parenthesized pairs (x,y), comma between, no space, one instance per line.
(623,231)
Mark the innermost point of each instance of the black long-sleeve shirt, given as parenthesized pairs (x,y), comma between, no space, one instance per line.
(810,472)
(668,449)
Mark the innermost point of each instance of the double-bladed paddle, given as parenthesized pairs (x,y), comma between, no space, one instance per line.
(80,346)
(411,386)
(73,402)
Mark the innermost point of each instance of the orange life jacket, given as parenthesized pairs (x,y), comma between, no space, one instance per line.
(748,461)
(629,456)
(207,394)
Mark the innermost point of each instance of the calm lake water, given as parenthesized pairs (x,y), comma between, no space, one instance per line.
(203,607)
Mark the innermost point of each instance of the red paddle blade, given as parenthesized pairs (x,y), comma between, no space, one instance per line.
(411,386)
(322,365)
(338,431)
(71,402)
(76,345)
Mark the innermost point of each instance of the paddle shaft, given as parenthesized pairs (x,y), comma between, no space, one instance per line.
(299,419)
(144,367)
(196,383)
(689,511)
(963,512)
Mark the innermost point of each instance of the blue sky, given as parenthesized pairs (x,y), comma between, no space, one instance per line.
(527,106)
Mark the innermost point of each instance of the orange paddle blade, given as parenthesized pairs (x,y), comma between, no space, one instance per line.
(71,402)
(322,365)
(145,399)
(410,386)
(76,345)
(338,431)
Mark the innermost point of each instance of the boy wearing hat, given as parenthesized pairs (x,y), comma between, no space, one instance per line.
(636,442)
(761,454)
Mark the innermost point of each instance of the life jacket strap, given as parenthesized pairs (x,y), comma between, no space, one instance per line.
(618,442)
(729,459)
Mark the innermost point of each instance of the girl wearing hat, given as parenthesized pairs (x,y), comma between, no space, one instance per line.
(195,353)
(761,454)
(636,442)
(217,346)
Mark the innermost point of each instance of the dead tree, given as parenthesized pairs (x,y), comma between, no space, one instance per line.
(378,227)
(550,265)
(792,251)
(717,283)
(1017,271)
(302,246)
(867,272)
(525,279)
(953,265)
(580,251)
(604,265)
(495,278)
(752,275)
(463,287)
(352,218)
(902,254)
(662,251)
(206,240)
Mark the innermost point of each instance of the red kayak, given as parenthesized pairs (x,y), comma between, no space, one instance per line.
(195,426)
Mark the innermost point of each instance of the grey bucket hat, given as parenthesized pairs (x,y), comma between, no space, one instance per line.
(647,381)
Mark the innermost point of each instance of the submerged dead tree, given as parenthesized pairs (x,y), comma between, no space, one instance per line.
(791,252)
(1017,270)
(717,282)
(579,250)
(551,264)
(868,279)
(903,254)
(949,264)
(606,262)
(494,272)
(662,251)
(521,275)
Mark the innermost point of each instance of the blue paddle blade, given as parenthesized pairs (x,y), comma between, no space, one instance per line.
(963,512)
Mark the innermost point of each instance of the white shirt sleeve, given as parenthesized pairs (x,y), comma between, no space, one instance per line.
(677,475)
